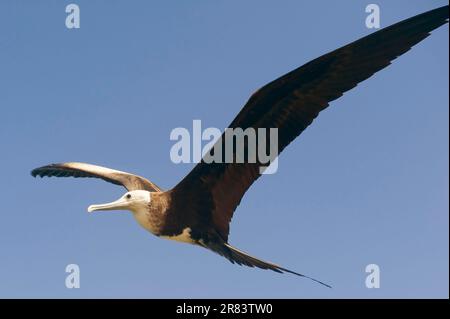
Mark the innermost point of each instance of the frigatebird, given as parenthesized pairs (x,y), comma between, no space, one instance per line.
(198,210)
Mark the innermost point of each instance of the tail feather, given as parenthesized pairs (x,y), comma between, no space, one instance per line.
(241,258)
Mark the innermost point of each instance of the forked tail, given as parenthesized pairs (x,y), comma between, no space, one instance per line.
(241,258)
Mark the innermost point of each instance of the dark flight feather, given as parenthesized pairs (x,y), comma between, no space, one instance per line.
(127,180)
(293,101)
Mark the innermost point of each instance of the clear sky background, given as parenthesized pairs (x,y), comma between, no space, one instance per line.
(367,183)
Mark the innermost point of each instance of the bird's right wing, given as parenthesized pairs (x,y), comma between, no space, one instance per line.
(127,180)
(293,101)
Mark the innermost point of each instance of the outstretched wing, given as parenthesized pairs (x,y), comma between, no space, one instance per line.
(293,101)
(127,180)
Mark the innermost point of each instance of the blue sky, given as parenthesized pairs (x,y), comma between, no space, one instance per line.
(366,183)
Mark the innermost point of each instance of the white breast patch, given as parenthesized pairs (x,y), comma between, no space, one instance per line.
(184,237)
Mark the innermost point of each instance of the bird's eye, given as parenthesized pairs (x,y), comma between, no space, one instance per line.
(128,196)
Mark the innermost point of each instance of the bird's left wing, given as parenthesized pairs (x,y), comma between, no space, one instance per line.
(127,180)
(292,102)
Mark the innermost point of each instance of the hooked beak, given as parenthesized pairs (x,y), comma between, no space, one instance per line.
(119,204)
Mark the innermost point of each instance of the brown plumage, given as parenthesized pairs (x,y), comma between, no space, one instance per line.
(204,201)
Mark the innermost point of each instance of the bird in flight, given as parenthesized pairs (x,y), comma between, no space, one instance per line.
(199,209)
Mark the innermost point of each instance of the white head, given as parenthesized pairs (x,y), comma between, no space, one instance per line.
(133,201)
